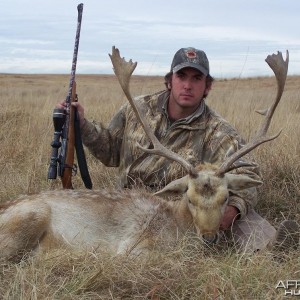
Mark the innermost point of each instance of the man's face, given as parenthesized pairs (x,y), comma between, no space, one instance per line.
(188,87)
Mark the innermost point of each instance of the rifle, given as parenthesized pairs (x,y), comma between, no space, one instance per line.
(67,135)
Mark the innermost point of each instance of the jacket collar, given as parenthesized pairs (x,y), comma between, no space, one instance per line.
(162,105)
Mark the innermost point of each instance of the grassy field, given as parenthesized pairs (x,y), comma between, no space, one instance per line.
(189,272)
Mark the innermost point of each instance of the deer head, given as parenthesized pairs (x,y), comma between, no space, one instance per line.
(205,187)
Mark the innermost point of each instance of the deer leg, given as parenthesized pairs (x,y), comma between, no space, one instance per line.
(21,227)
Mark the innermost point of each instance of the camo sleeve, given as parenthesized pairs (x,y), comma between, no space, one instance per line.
(105,143)
(222,143)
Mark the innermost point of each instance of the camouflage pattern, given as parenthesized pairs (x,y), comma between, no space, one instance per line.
(202,137)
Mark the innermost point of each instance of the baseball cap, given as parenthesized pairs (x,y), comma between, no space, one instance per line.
(190,57)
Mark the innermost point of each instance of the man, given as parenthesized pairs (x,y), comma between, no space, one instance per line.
(183,123)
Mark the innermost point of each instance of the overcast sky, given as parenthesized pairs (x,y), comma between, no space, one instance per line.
(38,36)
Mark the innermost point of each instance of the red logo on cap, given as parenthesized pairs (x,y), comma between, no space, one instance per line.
(191,54)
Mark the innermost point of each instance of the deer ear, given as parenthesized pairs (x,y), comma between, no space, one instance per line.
(176,187)
(241,182)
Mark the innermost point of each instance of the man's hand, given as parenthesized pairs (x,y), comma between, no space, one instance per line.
(80,110)
(229,217)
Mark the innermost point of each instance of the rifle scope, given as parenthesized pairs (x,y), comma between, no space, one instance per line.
(59,117)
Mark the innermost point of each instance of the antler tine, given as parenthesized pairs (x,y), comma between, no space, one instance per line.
(123,71)
(280,68)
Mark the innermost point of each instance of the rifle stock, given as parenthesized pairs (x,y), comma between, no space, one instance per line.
(68,169)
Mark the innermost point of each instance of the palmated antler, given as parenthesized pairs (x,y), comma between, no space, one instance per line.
(280,68)
(123,71)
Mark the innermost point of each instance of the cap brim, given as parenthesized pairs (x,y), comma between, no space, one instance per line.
(190,65)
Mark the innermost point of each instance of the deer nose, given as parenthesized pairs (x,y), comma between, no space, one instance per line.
(210,238)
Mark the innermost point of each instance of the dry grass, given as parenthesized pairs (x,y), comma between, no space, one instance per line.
(187,272)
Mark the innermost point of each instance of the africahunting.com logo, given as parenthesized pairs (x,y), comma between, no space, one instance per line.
(289,287)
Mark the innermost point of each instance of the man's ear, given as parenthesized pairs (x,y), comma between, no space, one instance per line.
(208,87)
(174,188)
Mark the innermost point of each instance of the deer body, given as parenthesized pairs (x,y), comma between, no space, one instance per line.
(130,221)
(121,222)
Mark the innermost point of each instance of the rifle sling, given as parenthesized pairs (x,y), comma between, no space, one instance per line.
(81,160)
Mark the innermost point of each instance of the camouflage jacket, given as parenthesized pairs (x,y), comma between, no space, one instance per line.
(202,137)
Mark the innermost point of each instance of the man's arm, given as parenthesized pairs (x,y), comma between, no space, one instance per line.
(105,143)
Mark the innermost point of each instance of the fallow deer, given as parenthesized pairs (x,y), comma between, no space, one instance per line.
(132,221)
